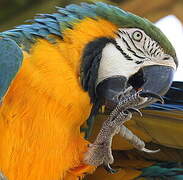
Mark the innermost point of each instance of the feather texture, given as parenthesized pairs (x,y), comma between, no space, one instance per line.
(10,62)
(45,106)
(55,24)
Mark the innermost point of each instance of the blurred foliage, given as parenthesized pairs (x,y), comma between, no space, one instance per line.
(14,12)
(11,7)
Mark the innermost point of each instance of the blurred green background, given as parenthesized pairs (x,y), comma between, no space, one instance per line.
(15,12)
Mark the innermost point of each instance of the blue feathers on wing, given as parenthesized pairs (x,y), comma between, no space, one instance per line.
(10,61)
(164,171)
(45,24)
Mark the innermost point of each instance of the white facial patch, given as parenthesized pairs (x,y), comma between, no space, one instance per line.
(113,63)
(143,46)
(133,49)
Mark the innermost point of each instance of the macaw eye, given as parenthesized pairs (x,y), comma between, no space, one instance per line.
(137,35)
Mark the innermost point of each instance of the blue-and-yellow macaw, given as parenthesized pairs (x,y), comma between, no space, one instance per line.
(60,69)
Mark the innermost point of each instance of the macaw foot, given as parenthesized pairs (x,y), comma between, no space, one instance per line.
(99,154)
(100,151)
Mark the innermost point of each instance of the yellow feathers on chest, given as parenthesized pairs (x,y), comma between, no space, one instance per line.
(41,114)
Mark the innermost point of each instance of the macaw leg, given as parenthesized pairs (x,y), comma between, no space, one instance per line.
(134,140)
(2,177)
(125,132)
(100,151)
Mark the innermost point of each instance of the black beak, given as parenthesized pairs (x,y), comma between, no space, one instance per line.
(154,79)
(109,88)
(157,80)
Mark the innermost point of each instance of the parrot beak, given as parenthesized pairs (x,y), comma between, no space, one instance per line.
(109,88)
(157,81)
(152,80)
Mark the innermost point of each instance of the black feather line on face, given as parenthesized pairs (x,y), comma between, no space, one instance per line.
(90,62)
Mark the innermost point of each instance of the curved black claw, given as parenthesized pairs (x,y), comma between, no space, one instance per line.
(109,169)
(153,95)
(132,110)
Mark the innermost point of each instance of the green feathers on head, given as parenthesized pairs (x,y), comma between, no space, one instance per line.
(122,19)
(125,19)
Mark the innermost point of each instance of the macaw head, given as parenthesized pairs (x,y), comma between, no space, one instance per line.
(138,57)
